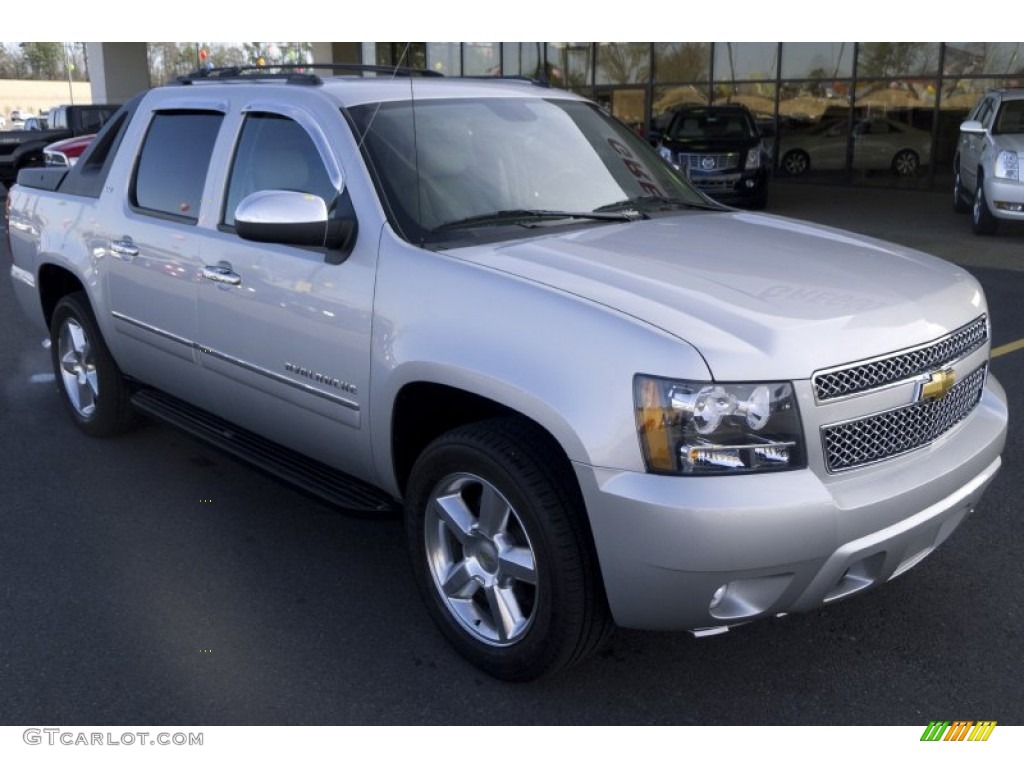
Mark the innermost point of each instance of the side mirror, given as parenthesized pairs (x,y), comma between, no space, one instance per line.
(295,218)
(972,126)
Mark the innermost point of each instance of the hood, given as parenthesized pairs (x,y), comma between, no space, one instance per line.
(759,296)
(735,144)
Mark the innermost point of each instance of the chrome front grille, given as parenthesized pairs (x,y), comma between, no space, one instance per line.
(872,374)
(884,435)
(695,161)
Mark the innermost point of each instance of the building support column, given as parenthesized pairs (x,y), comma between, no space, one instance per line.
(117,71)
(337,53)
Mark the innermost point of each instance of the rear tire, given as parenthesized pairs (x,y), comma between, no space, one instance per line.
(501,550)
(91,385)
(960,204)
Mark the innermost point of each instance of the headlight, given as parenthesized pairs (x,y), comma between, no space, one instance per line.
(1007,166)
(699,427)
(669,157)
(753,158)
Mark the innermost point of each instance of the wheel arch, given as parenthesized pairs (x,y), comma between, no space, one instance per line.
(54,283)
(424,410)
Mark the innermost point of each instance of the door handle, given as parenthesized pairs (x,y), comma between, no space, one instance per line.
(125,249)
(222,273)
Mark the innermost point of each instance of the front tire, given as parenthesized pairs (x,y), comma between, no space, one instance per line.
(90,383)
(501,551)
(796,162)
(982,220)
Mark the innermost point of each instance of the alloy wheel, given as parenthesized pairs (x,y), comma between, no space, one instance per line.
(78,368)
(482,562)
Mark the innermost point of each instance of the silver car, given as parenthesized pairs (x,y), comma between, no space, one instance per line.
(598,396)
(987,180)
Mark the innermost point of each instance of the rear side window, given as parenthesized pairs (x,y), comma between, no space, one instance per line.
(172,165)
(275,152)
(58,119)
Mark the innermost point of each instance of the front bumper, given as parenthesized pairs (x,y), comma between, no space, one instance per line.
(1005,198)
(783,542)
(733,188)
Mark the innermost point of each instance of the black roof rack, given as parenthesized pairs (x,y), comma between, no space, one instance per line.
(510,78)
(295,73)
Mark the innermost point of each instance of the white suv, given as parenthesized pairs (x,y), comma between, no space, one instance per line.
(988,157)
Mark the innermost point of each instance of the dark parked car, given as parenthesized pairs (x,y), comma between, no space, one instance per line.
(719,148)
(24,148)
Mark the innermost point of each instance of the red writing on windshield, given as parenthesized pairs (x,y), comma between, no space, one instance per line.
(639,172)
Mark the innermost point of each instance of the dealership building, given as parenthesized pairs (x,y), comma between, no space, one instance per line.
(859,113)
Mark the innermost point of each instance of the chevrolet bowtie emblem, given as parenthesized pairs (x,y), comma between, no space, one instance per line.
(936,386)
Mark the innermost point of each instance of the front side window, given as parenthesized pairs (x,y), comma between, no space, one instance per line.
(172,165)
(445,161)
(275,152)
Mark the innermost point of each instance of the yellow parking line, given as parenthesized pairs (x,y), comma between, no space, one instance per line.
(1006,349)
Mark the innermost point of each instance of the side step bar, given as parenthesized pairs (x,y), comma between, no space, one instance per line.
(305,473)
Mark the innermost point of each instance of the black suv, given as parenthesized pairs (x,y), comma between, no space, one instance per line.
(719,148)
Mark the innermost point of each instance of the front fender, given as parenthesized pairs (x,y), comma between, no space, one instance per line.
(562,361)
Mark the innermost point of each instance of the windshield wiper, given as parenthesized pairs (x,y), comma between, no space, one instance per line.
(528,215)
(636,202)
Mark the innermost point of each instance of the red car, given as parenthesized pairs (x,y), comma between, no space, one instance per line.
(65,153)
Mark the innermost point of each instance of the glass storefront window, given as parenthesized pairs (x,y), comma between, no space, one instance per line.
(745,61)
(444,58)
(521,59)
(892,131)
(668,98)
(813,126)
(568,65)
(627,104)
(570,62)
(481,59)
(759,98)
(973,59)
(401,54)
(682,63)
(803,93)
(621,63)
(824,62)
(897,59)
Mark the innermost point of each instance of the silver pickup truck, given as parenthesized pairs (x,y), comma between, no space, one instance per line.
(599,397)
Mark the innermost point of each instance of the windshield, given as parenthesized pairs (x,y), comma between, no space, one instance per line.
(462,160)
(1011,117)
(711,124)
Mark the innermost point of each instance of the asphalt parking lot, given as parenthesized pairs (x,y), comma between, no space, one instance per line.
(148,579)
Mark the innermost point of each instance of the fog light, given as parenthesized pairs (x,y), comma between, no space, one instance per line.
(1012,207)
(749,183)
(718,597)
